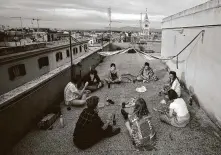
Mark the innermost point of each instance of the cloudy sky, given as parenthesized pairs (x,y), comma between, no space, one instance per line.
(88,14)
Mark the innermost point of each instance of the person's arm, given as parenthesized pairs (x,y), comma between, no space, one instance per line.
(127,124)
(109,76)
(119,75)
(98,80)
(82,91)
(141,71)
(170,112)
(108,122)
(150,73)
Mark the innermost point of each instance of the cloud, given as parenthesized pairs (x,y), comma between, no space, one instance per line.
(89,13)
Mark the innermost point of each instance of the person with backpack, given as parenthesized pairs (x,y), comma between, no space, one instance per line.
(139,125)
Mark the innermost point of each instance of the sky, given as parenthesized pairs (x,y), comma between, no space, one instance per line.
(88,14)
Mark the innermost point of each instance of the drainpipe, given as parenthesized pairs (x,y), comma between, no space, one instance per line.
(71,56)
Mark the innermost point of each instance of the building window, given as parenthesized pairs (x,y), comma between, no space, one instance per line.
(59,56)
(67,53)
(85,48)
(80,48)
(75,50)
(16,71)
(43,62)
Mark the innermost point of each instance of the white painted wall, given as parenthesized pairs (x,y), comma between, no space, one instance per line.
(200,64)
(32,68)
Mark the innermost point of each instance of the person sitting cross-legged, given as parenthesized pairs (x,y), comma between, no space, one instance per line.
(90,129)
(173,83)
(113,75)
(146,74)
(139,126)
(178,115)
(74,96)
(94,82)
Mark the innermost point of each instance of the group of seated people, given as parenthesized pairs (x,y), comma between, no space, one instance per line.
(90,128)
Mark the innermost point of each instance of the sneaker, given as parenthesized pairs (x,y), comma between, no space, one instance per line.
(123,105)
(115,131)
(110,101)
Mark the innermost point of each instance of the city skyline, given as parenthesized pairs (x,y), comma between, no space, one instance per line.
(88,14)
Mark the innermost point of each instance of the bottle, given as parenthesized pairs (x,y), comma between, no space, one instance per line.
(114,120)
(61,121)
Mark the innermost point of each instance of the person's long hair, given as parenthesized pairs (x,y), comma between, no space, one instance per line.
(174,77)
(140,108)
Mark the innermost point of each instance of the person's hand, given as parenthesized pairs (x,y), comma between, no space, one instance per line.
(86,84)
(99,85)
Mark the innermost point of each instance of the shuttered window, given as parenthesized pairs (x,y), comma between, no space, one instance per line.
(16,71)
(85,48)
(59,56)
(75,50)
(43,62)
(67,53)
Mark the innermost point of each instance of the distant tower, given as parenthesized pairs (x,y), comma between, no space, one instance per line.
(146,26)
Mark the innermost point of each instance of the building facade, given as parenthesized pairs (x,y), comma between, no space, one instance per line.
(198,66)
(19,68)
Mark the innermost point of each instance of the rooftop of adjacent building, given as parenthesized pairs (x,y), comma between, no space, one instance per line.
(199,137)
(17,92)
(9,52)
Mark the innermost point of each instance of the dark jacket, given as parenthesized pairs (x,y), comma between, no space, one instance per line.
(93,81)
(88,129)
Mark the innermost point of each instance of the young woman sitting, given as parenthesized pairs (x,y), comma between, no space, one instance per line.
(178,115)
(173,83)
(139,126)
(94,82)
(146,74)
(90,129)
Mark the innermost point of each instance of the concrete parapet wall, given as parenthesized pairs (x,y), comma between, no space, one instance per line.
(204,14)
(22,113)
(200,63)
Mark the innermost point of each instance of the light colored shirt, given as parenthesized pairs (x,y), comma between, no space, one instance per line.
(70,92)
(179,106)
(176,87)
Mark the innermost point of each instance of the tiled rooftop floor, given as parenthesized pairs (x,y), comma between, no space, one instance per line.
(197,138)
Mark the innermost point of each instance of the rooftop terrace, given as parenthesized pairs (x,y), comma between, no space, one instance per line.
(199,137)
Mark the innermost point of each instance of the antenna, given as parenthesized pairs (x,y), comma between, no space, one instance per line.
(110,21)
(141,22)
(21,24)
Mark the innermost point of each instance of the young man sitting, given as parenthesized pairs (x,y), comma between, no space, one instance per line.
(146,74)
(94,82)
(90,129)
(113,75)
(74,96)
